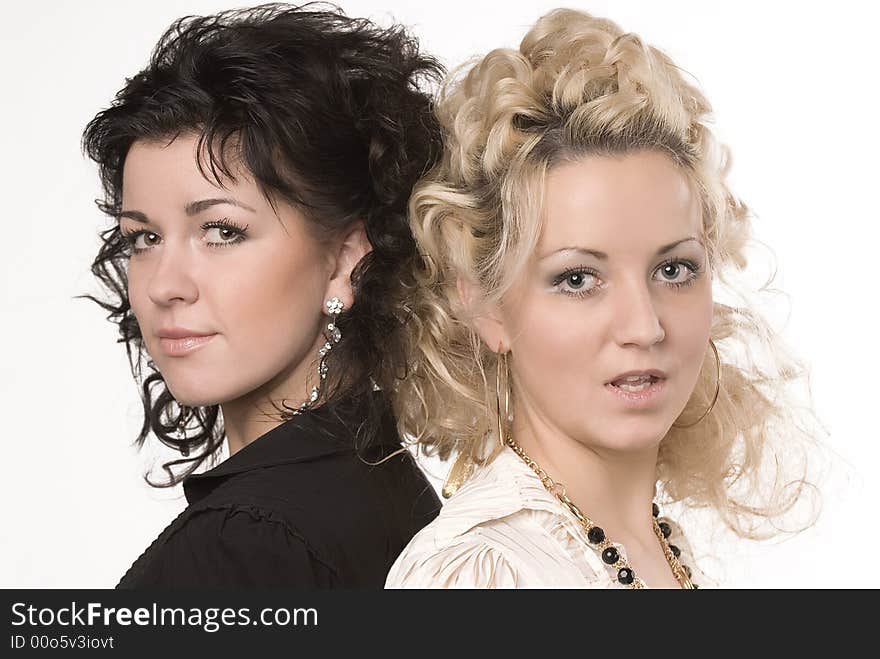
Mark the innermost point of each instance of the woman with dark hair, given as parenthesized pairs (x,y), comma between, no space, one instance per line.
(257,172)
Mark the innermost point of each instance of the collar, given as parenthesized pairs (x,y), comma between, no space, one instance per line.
(327,430)
(504,486)
(507,485)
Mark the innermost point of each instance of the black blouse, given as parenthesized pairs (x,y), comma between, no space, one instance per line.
(297,507)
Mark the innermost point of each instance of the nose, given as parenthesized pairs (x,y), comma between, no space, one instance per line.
(172,279)
(636,321)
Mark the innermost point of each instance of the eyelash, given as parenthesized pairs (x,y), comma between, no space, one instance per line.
(240,231)
(695,269)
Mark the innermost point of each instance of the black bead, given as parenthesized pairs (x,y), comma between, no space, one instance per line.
(625,576)
(675,550)
(610,556)
(596,535)
(655,510)
(665,529)
(687,570)
(695,586)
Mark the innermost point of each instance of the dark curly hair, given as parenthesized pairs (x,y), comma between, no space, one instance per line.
(328,113)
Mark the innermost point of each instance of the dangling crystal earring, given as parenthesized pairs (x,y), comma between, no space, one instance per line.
(332,336)
(181,432)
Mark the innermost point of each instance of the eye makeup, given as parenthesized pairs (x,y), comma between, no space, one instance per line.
(583,281)
(694,271)
(577,279)
(238,235)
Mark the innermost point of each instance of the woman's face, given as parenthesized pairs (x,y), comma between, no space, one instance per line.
(618,287)
(220,262)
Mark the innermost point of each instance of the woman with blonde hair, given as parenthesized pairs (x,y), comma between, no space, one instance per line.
(565,340)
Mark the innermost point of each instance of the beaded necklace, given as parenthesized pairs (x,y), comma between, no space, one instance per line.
(600,542)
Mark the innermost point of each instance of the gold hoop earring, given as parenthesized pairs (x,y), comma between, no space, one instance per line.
(464,464)
(503,416)
(717,389)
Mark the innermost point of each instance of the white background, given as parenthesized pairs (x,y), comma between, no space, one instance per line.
(794,87)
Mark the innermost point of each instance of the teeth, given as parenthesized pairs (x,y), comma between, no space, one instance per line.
(634,382)
(638,387)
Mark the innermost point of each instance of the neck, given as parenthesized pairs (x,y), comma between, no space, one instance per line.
(612,488)
(251,416)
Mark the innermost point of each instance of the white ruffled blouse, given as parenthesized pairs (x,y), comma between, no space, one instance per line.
(503,529)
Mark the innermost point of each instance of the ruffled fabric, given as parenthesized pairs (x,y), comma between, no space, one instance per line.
(230,546)
(502,529)
(467,564)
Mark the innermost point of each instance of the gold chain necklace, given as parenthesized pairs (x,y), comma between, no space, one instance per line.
(597,538)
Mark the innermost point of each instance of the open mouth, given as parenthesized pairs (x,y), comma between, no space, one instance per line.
(635,383)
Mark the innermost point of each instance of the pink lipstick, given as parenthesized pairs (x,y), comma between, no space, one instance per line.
(638,389)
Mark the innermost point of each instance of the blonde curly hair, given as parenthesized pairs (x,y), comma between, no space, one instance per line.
(577,86)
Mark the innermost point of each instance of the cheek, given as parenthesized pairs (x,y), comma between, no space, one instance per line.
(138,295)
(555,348)
(270,294)
(688,325)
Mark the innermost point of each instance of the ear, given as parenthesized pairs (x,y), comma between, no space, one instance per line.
(485,317)
(353,247)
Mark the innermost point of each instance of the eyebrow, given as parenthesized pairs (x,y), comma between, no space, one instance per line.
(192,208)
(602,255)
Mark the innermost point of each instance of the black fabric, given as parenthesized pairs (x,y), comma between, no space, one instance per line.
(297,507)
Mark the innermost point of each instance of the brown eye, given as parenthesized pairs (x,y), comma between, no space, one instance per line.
(141,240)
(150,239)
(226,234)
(223,233)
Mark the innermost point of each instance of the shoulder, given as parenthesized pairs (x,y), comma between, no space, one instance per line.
(497,531)
(528,548)
(327,500)
(458,548)
(469,565)
(239,544)
(338,520)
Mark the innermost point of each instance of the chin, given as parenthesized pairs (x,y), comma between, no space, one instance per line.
(196,400)
(633,434)
(195,394)
(204,387)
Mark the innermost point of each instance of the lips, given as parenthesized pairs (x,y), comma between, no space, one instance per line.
(646,395)
(634,382)
(635,377)
(180,333)
(176,341)
(185,345)
(638,388)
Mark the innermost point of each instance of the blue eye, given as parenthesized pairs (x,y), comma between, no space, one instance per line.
(577,282)
(677,273)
